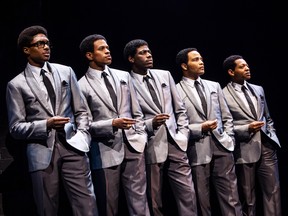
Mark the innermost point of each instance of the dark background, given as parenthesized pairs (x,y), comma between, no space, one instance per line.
(254,29)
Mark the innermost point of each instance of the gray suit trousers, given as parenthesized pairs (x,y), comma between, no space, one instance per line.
(265,171)
(221,171)
(71,165)
(180,178)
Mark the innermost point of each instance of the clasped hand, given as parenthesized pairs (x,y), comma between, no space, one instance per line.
(159,119)
(57,122)
(123,123)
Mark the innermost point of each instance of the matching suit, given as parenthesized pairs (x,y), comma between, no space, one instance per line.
(255,154)
(116,155)
(28,110)
(210,154)
(53,156)
(167,144)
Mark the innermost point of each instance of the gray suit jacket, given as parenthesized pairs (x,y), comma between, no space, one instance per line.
(107,147)
(28,111)
(171,103)
(248,146)
(217,109)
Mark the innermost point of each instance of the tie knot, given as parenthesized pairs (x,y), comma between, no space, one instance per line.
(198,85)
(42,72)
(146,78)
(104,74)
(245,90)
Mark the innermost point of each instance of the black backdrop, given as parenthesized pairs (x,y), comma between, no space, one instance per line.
(253,29)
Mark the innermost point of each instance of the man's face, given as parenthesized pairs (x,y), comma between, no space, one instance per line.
(38,52)
(101,55)
(241,71)
(195,65)
(143,57)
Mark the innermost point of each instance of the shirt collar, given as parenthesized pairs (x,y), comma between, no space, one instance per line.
(37,70)
(98,73)
(238,87)
(191,82)
(139,77)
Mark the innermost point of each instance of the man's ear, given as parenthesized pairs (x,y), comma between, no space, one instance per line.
(184,66)
(130,59)
(231,72)
(89,56)
(26,50)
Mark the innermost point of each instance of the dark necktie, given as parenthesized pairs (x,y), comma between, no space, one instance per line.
(201,95)
(250,103)
(152,92)
(49,88)
(110,89)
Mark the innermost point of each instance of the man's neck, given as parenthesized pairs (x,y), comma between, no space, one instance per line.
(142,71)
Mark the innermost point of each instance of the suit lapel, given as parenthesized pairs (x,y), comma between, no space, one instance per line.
(57,85)
(207,95)
(99,91)
(238,100)
(159,88)
(141,90)
(258,98)
(117,85)
(191,97)
(37,91)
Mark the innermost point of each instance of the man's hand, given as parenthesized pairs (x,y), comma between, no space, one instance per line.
(123,123)
(255,126)
(57,122)
(159,119)
(209,125)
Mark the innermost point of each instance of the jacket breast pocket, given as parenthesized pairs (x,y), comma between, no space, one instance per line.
(166,90)
(262,100)
(65,87)
(214,98)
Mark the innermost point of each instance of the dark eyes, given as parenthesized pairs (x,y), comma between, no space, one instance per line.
(41,44)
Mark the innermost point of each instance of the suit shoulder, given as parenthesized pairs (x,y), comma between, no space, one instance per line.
(225,88)
(179,87)
(157,71)
(161,74)
(226,91)
(210,82)
(56,64)
(82,79)
(83,84)
(120,74)
(255,85)
(257,89)
(60,66)
(114,70)
(18,79)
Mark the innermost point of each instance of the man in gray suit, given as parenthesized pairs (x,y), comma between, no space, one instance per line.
(167,127)
(54,128)
(211,142)
(117,129)
(256,140)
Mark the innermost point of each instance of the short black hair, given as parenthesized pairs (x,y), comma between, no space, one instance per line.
(131,47)
(229,62)
(87,44)
(182,56)
(26,36)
